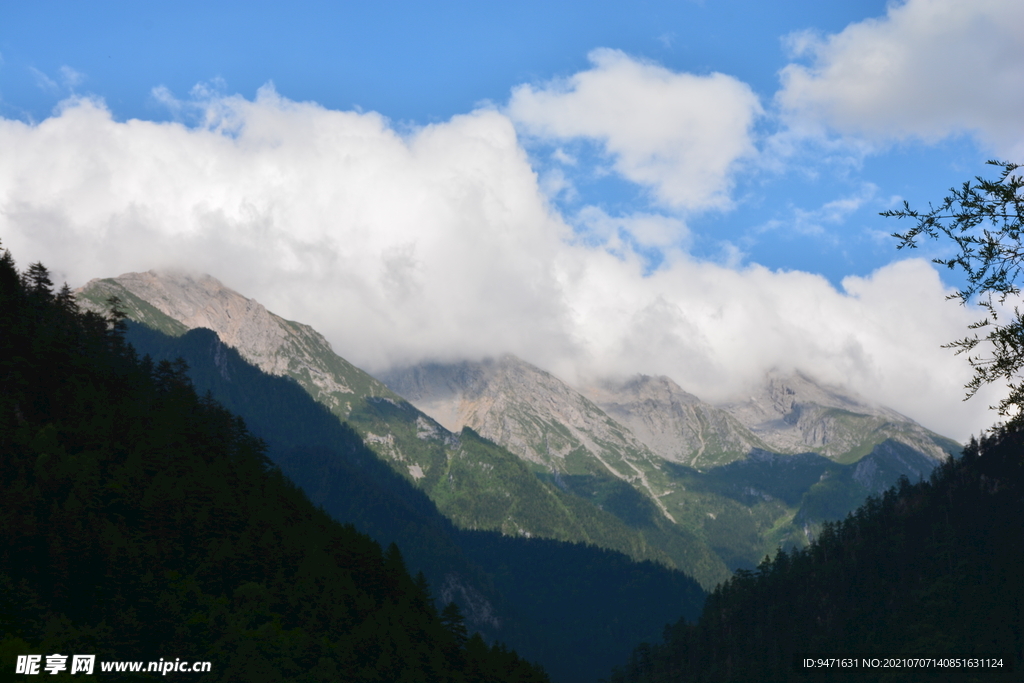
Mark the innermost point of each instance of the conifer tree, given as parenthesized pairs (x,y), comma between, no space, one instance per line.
(455,623)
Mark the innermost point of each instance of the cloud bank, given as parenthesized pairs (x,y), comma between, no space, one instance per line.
(927,69)
(676,133)
(440,244)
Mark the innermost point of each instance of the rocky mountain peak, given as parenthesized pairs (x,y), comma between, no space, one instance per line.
(198,300)
(533,414)
(793,413)
(492,397)
(659,389)
(275,345)
(672,422)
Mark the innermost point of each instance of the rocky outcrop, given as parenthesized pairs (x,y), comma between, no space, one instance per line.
(792,413)
(533,414)
(675,424)
(275,345)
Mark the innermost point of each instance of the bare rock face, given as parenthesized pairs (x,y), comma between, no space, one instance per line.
(675,424)
(542,419)
(792,413)
(533,414)
(202,301)
(275,345)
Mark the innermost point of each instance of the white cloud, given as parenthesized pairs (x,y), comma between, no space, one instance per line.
(44,82)
(69,80)
(833,213)
(676,133)
(715,329)
(71,77)
(563,158)
(554,183)
(646,229)
(441,244)
(927,69)
(292,203)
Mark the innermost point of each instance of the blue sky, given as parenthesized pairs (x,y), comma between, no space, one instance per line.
(420,63)
(689,152)
(413,61)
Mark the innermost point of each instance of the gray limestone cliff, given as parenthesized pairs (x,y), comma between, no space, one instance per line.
(792,413)
(675,424)
(533,414)
(175,301)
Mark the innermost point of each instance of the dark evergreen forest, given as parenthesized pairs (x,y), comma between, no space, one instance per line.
(932,569)
(140,521)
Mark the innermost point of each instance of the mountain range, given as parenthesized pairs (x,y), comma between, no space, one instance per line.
(636,465)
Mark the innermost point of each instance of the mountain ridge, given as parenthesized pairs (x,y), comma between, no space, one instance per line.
(674,423)
(501,444)
(793,413)
(535,415)
(272,343)
(459,471)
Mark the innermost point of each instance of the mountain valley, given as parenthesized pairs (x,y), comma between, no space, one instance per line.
(569,606)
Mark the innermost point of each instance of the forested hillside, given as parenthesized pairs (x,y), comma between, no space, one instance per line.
(927,569)
(139,521)
(576,609)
